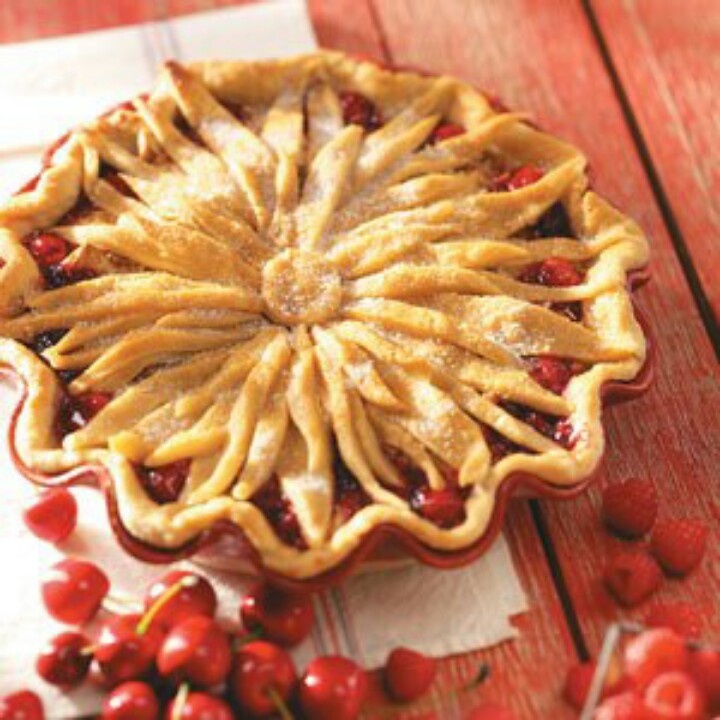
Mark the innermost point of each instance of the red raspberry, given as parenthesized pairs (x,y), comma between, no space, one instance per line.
(682,617)
(577,684)
(676,696)
(627,706)
(704,667)
(679,545)
(632,576)
(630,507)
(652,653)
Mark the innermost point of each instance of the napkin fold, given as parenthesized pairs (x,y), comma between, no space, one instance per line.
(48,86)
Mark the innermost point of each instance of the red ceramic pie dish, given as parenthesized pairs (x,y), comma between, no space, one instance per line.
(225,543)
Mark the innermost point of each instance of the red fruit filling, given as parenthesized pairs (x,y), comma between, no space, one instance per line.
(77,411)
(515,179)
(358,110)
(553,272)
(350,498)
(558,429)
(165,483)
(554,222)
(445,131)
(554,374)
(445,507)
(47,248)
(279,513)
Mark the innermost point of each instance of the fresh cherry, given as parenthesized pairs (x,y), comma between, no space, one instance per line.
(358,110)
(445,131)
(48,249)
(408,674)
(280,617)
(165,483)
(197,650)
(73,590)
(675,695)
(52,515)
(125,649)
(191,595)
(65,660)
(625,706)
(554,374)
(198,706)
(553,272)
(653,652)
(263,678)
(445,507)
(333,688)
(21,705)
(131,701)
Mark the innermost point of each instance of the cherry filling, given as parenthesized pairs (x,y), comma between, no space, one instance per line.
(350,498)
(445,507)
(499,445)
(553,272)
(554,374)
(45,340)
(47,248)
(279,513)
(76,411)
(164,483)
(518,178)
(57,276)
(445,131)
(557,429)
(358,110)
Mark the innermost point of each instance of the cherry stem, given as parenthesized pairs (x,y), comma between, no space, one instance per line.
(280,704)
(180,700)
(175,589)
(245,639)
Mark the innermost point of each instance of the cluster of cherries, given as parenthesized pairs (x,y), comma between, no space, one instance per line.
(658,677)
(176,655)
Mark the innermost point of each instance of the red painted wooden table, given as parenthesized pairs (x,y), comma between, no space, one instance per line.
(630,82)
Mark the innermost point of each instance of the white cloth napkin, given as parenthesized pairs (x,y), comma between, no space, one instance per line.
(48,86)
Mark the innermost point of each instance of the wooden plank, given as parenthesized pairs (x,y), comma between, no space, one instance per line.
(666,54)
(542,57)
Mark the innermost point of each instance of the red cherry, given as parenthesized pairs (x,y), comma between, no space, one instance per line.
(52,515)
(358,110)
(73,590)
(263,675)
(164,484)
(676,696)
(553,272)
(408,674)
(283,618)
(445,131)
(704,667)
(654,652)
(199,706)
(626,706)
(48,249)
(553,374)
(196,650)
(131,701)
(21,705)
(195,596)
(333,688)
(64,660)
(445,508)
(123,652)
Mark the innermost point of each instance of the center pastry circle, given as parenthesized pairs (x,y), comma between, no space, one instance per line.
(300,287)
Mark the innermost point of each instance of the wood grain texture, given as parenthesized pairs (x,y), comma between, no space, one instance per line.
(667,56)
(547,62)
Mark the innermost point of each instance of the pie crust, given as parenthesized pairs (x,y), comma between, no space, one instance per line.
(311,297)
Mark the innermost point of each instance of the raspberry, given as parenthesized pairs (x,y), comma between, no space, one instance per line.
(630,507)
(652,653)
(675,695)
(682,617)
(626,706)
(577,684)
(632,576)
(679,545)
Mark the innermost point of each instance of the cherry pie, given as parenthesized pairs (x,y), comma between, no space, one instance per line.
(310,297)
